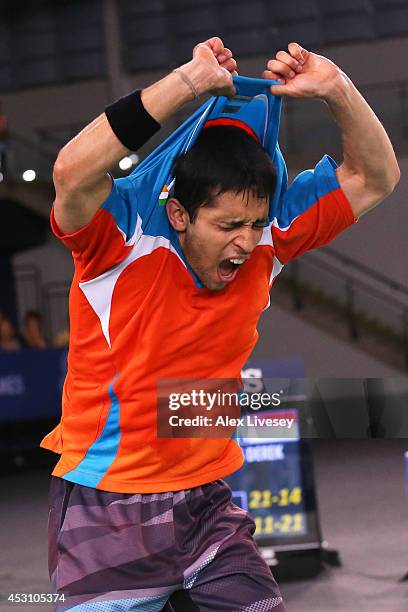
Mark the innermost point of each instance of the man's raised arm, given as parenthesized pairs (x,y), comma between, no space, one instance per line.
(370,170)
(80,172)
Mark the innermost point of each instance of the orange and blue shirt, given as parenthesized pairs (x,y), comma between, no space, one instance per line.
(139,314)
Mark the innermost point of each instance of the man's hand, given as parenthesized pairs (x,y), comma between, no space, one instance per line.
(210,71)
(212,68)
(302,74)
(369,171)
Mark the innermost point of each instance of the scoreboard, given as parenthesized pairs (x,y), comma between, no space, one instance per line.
(276,483)
(276,487)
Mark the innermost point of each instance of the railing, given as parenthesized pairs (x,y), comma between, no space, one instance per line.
(375,276)
(358,297)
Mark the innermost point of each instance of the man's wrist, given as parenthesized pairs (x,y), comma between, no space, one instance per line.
(199,75)
(186,79)
(339,91)
(129,120)
(165,97)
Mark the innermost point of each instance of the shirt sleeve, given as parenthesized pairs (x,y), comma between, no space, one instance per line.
(313,211)
(110,235)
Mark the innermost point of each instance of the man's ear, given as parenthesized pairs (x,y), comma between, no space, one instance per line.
(177,214)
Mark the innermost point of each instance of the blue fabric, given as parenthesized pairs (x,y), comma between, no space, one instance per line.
(305,190)
(261,111)
(120,204)
(101,454)
(141,190)
(253,104)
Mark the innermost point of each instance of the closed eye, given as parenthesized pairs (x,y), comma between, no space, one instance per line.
(229,228)
(260,224)
(257,225)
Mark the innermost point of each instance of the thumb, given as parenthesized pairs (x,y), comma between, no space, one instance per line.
(279,90)
(227,87)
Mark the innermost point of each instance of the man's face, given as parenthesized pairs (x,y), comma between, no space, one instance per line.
(228,230)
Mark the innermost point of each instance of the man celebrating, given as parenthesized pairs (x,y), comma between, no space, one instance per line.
(176,291)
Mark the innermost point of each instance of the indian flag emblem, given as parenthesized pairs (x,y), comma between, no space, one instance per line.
(165,193)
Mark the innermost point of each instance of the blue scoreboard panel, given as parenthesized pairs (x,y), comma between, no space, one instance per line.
(276,487)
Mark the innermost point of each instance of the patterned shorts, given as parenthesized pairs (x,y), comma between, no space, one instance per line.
(116,552)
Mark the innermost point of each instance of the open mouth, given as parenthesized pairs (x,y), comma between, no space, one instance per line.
(228,269)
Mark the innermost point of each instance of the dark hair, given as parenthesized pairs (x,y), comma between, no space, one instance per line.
(223,158)
(32,314)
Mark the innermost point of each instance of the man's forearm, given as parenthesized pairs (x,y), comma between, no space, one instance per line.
(80,172)
(87,158)
(368,152)
(96,149)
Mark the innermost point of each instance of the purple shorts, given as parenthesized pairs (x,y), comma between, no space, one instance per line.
(115,552)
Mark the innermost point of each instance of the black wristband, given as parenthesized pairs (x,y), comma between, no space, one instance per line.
(130,121)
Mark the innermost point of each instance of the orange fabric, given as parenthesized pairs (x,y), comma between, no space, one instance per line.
(136,321)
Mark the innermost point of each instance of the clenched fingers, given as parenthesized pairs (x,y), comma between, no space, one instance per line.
(298,52)
(230,65)
(286,64)
(222,54)
(285,58)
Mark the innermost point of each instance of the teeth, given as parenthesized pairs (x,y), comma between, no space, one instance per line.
(237,262)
